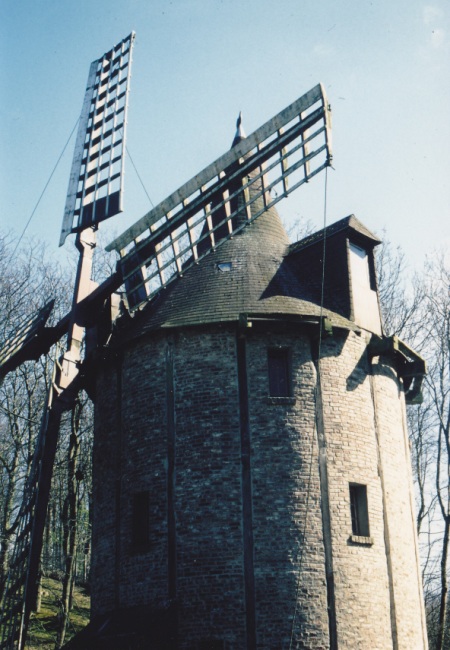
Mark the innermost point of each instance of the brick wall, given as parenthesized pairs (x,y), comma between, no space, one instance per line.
(105,462)
(360,570)
(287,521)
(173,419)
(402,548)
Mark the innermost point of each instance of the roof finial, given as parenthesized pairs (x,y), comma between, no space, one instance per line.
(239,128)
(240,133)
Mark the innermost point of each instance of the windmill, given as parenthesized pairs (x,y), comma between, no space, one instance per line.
(285,152)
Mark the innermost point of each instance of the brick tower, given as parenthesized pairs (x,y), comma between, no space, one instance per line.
(252,481)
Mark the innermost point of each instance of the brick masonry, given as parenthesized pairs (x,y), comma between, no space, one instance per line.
(183,387)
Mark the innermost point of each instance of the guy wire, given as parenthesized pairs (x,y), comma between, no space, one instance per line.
(140,179)
(308,492)
(43,191)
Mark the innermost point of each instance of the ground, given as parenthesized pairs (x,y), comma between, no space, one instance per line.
(43,626)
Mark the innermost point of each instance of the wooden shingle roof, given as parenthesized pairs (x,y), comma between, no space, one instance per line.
(255,272)
(252,273)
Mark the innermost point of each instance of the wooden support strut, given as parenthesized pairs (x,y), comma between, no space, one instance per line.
(410,366)
(246,487)
(69,363)
(62,393)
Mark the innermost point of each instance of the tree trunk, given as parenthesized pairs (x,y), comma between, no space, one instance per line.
(70,525)
(7,528)
(444,589)
(38,601)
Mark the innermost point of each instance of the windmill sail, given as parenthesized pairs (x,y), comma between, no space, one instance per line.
(94,195)
(276,159)
(96,179)
(21,345)
(281,155)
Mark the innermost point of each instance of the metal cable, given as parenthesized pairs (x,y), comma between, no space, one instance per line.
(308,492)
(43,191)
(140,179)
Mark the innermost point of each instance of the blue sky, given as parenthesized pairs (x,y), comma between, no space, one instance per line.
(385,65)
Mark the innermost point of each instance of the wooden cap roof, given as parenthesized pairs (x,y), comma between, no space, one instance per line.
(254,273)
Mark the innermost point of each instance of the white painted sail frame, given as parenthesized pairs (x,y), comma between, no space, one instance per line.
(167,240)
(95,186)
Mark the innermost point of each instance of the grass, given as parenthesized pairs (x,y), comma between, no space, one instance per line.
(43,626)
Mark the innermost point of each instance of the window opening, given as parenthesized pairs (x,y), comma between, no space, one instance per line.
(211,644)
(140,521)
(279,372)
(360,265)
(224,266)
(366,311)
(359,510)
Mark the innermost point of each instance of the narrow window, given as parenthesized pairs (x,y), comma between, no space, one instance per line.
(279,372)
(140,521)
(211,644)
(359,511)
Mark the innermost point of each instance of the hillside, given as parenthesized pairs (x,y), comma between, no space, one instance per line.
(43,626)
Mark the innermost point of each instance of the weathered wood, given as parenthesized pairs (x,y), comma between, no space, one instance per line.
(244,147)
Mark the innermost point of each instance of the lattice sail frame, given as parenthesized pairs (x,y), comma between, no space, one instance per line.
(27,332)
(96,178)
(294,146)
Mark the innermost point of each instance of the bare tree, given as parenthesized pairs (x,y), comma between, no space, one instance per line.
(399,299)
(434,342)
(419,312)
(80,434)
(27,281)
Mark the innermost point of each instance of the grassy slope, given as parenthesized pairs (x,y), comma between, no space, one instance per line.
(43,626)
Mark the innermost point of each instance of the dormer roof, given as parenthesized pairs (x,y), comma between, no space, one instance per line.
(350,224)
